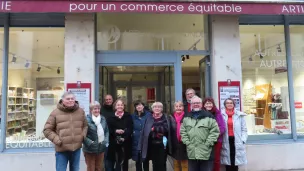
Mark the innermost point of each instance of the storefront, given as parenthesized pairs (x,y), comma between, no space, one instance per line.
(153,51)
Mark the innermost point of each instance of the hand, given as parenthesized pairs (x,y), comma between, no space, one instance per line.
(120,131)
(122,139)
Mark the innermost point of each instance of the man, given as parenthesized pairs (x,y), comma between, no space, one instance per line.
(107,108)
(190,93)
(107,111)
(199,132)
(66,127)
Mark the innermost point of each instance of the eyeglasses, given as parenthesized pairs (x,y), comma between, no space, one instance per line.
(196,103)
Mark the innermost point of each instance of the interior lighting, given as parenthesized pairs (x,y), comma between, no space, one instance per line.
(58,70)
(14,59)
(187,56)
(38,68)
(183,58)
(27,64)
(279,48)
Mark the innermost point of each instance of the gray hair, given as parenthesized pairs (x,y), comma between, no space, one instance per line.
(196,97)
(190,89)
(94,104)
(157,104)
(66,94)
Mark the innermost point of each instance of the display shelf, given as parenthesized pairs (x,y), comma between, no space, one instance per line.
(20,110)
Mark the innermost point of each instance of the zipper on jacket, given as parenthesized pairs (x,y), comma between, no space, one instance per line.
(72,131)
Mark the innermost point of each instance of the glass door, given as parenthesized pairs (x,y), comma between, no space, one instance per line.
(204,70)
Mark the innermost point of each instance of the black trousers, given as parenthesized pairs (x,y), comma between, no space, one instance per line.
(200,165)
(232,167)
(157,153)
(140,165)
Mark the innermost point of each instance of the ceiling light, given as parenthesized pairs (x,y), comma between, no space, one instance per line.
(14,59)
(250,58)
(261,56)
(183,58)
(58,70)
(27,64)
(38,68)
(279,48)
(187,56)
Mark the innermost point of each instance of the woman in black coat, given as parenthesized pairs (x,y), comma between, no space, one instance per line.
(155,140)
(120,147)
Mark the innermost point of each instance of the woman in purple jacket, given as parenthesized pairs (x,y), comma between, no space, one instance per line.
(209,105)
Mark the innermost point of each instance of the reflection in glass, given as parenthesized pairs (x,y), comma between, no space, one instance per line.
(35,84)
(115,31)
(265,86)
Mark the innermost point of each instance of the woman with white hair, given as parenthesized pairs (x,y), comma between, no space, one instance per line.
(154,143)
(97,139)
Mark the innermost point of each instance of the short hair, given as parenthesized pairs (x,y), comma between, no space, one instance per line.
(94,104)
(230,100)
(179,103)
(67,93)
(138,102)
(108,95)
(114,104)
(196,97)
(190,89)
(157,104)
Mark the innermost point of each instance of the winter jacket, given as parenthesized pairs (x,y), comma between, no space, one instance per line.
(125,123)
(107,111)
(240,136)
(66,127)
(199,132)
(221,123)
(90,143)
(145,134)
(138,124)
(179,149)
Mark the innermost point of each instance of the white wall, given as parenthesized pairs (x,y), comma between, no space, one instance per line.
(79,49)
(226,59)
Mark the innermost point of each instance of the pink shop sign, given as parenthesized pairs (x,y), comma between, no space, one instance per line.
(151,7)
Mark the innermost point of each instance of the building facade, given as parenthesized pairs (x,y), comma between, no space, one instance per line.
(251,51)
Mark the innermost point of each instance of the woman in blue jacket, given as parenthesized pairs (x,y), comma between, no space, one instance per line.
(139,117)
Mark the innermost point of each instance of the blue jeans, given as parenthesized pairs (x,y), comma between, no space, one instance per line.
(107,163)
(62,159)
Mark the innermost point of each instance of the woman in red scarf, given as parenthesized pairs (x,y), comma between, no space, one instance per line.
(179,151)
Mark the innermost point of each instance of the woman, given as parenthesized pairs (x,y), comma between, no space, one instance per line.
(139,118)
(120,128)
(155,139)
(97,139)
(234,139)
(179,149)
(209,105)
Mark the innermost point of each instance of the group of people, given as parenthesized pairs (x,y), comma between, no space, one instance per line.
(197,135)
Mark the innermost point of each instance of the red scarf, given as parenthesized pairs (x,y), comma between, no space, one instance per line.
(119,114)
(230,114)
(178,118)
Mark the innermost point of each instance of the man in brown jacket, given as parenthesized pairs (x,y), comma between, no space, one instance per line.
(66,127)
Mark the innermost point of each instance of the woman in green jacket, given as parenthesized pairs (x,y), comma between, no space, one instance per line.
(97,139)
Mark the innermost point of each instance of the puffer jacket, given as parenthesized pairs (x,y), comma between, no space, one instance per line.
(240,138)
(90,143)
(199,132)
(66,127)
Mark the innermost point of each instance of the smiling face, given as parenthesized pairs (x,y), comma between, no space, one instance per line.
(119,106)
(108,100)
(208,105)
(178,107)
(96,111)
(229,104)
(140,108)
(196,104)
(189,94)
(68,100)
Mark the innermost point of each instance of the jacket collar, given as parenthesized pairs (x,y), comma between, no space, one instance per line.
(89,118)
(236,112)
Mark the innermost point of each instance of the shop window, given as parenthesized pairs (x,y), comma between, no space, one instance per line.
(134,31)
(297,53)
(35,84)
(264,78)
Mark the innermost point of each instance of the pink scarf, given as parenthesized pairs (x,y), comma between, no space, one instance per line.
(119,114)
(178,118)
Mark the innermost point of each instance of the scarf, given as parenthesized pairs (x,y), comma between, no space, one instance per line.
(178,118)
(100,131)
(119,114)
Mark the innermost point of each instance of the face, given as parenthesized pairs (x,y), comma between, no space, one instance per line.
(229,105)
(119,106)
(96,111)
(208,105)
(108,100)
(178,108)
(69,100)
(140,108)
(196,104)
(157,109)
(189,94)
